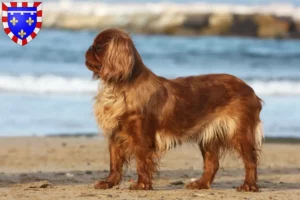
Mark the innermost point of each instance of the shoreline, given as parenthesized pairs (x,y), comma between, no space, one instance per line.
(267,140)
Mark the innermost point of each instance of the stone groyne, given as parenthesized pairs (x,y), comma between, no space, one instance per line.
(264,21)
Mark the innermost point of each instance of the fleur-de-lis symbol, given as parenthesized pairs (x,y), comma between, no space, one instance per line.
(14,21)
(22,33)
(29,21)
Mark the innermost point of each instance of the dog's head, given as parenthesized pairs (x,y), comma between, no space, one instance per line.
(111,56)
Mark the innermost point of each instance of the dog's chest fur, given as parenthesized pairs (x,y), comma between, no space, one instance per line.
(108,109)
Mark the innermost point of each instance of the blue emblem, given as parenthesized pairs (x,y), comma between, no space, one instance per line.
(22,20)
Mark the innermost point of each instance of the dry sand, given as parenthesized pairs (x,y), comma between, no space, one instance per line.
(65,168)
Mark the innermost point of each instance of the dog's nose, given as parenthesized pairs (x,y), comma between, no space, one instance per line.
(91,48)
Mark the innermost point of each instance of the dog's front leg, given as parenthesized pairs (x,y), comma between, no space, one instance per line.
(117,159)
(146,167)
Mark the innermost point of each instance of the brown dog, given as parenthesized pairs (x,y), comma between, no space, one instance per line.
(144,115)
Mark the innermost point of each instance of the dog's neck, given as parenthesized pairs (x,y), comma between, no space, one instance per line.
(141,75)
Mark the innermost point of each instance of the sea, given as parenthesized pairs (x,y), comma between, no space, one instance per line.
(45,88)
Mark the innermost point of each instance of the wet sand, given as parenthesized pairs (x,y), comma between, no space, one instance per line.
(66,168)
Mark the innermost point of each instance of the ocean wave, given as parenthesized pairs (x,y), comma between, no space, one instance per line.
(49,84)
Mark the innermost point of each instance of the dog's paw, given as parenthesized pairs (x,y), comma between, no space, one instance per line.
(197,185)
(140,186)
(103,185)
(247,188)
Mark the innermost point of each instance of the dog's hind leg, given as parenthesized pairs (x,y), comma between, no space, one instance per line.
(210,156)
(246,147)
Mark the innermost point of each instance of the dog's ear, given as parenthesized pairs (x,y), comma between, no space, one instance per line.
(118,60)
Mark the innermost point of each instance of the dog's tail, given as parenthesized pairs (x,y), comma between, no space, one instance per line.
(259,132)
(259,135)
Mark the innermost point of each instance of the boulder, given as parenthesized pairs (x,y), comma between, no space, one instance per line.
(294,29)
(244,25)
(140,22)
(50,19)
(166,23)
(77,22)
(297,25)
(271,27)
(218,24)
(295,32)
(195,21)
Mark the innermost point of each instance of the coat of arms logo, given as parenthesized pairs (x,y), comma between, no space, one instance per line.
(22,21)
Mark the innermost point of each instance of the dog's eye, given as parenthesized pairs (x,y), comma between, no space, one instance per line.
(98,47)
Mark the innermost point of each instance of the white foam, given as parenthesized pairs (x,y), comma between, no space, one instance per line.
(276,87)
(47,84)
(50,84)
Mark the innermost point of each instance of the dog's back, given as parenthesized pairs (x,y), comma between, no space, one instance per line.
(209,108)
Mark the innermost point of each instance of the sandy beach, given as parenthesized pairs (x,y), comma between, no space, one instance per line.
(66,168)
